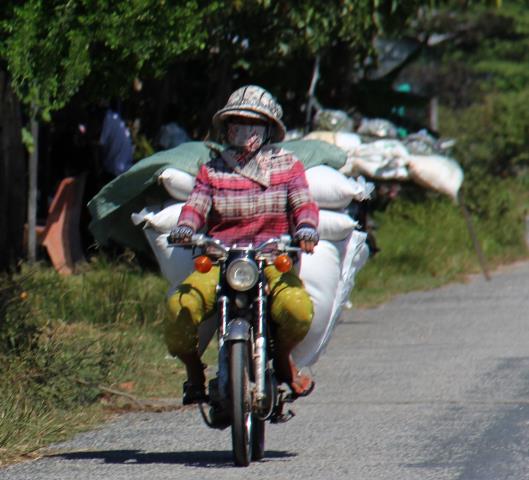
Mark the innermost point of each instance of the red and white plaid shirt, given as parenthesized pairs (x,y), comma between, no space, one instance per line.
(253,201)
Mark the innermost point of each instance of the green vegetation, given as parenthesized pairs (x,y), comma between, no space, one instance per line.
(68,345)
(57,48)
(481,80)
(492,135)
(51,48)
(426,244)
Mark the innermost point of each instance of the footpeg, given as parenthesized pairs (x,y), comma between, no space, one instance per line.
(282,417)
(278,416)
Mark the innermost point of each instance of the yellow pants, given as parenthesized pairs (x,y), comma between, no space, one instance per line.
(195,299)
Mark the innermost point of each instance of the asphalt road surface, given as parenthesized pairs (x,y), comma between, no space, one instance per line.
(432,385)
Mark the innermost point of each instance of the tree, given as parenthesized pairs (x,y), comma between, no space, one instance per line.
(51,47)
(12,168)
(54,49)
(12,176)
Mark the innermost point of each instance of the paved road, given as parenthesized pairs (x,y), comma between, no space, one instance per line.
(432,385)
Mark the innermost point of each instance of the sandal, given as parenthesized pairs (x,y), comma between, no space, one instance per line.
(286,372)
(297,388)
(194,394)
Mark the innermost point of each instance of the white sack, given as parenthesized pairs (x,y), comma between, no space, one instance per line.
(320,273)
(145,214)
(355,255)
(377,127)
(329,278)
(176,263)
(323,135)
(366,189)
(383,159)
(335,226)
(330,188)
(437,172)
(160,217)
(166,219)
(178,184)
(376,168)
(345,140)
(384,149)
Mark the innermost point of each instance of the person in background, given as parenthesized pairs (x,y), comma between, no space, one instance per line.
(115,145)
(171,134)
(249,193)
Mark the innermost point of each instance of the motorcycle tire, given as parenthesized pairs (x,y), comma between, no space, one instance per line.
(258,438)
(241,404)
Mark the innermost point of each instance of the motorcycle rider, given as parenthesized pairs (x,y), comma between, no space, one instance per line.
(250,192)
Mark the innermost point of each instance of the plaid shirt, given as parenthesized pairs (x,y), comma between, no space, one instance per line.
(253,201)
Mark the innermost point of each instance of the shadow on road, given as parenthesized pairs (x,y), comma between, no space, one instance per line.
(204,459)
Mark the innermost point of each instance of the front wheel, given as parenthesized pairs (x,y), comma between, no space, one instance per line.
(258,438)
(241,404)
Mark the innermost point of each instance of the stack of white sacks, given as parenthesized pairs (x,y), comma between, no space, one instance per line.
(389,159)
(328,274)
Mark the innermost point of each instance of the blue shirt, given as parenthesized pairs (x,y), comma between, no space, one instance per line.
(116,144)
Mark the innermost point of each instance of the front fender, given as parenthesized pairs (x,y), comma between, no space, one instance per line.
(237,329)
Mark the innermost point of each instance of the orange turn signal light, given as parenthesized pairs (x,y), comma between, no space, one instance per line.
(203,264)
(283,263)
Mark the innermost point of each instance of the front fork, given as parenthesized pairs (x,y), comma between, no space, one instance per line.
(223,363)
(259,344)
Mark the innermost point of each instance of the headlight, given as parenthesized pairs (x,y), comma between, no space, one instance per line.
(242,274)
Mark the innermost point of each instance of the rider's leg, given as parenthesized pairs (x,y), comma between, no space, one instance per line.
(292,313)
(189,305)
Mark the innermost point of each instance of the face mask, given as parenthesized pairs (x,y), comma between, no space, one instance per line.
(247,137)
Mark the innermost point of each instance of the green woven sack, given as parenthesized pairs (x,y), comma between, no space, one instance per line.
(316,152)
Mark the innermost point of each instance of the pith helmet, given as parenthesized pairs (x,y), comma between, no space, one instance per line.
(252,101)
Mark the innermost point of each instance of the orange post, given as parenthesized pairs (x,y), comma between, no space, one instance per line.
(61,235)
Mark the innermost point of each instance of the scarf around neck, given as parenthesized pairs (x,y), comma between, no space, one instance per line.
(248,164)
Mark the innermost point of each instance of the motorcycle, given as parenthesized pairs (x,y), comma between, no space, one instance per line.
(245,394)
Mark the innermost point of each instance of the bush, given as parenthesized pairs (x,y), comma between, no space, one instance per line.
(493,136)
(106,293)
(17,328)
(426,243)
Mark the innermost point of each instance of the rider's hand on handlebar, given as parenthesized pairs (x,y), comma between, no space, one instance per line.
(306,246)
(307,237)
(181,234)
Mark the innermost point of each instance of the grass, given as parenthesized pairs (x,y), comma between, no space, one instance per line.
(427,244)
(65,342)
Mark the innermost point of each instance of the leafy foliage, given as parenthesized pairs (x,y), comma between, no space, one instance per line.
(426,244)
(481,77)
(17,328)
(53,47)
(493,136)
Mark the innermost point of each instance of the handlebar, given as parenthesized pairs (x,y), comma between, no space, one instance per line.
(283,244)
